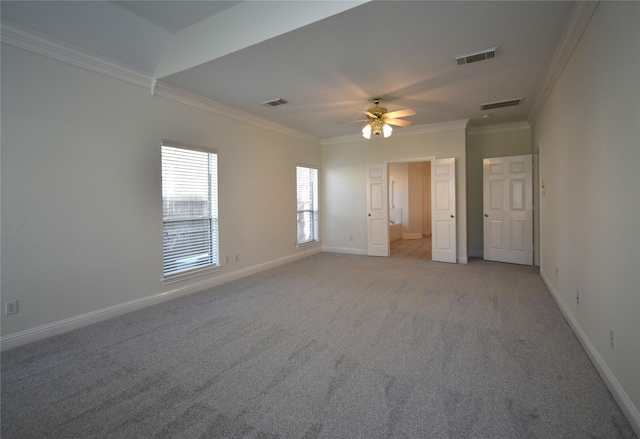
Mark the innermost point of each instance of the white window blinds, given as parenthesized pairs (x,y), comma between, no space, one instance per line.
(307,189)
(190,208)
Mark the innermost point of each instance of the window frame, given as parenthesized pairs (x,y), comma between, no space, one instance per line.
(214,218)
(315,213)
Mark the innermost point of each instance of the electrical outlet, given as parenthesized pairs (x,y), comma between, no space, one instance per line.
(11,307)
(612,338)
(350,238)
(237,258)
(226,259)
(556,273)
(577,297)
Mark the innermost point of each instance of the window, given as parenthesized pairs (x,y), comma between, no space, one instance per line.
(307,188)
(189,208)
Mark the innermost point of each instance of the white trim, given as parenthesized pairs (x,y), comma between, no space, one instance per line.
(302,246)
(580,17)
(182,145)
(409,131)
(190,274)
(412,160)
(65,325)
(32,42)
(614,386)
(500,128)
(462,260)
(177,94)
(345,250)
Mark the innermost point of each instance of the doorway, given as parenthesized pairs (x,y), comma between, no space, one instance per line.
(410,210)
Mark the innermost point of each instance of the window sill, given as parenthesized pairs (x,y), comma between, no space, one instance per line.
(189,274)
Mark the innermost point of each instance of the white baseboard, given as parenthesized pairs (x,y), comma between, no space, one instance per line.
(463,260)
(345,250)
(62,326)
(622,398)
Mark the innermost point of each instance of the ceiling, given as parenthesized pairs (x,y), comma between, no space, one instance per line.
(328,59)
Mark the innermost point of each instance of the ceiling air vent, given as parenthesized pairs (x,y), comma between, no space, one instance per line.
(502,104)
(274,102)
(480,55)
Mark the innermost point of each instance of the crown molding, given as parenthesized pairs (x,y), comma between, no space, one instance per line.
(17,36)
(578,22)
(27,40)
(179,95)
(500,128)
(409,131)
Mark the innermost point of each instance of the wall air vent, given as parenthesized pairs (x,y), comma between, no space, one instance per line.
(502,104)
(480,55)
(274,102)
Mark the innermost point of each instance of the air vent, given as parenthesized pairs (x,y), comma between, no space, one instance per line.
(274,102)
(502,104)
(480,55)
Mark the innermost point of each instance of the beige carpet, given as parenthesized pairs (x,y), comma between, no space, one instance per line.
(332,346)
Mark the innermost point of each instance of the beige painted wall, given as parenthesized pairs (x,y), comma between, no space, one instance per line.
(482,145)
(81,190)
(343,180)
(588,135)
(419,200)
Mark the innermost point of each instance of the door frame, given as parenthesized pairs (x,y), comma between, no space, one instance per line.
(429,159)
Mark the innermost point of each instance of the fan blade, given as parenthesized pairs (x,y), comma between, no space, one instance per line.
(370,114)
(351,121)
(401,113)
(398,122)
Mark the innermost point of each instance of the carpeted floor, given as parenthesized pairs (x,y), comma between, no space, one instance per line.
(331,346)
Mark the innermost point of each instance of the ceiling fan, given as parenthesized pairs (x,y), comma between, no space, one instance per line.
(380,120)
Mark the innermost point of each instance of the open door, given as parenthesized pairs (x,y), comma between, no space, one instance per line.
(377,210)
(508,209)
(443,210)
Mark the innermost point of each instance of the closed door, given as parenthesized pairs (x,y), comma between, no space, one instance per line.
(508,209)
(377,210)
(443,210)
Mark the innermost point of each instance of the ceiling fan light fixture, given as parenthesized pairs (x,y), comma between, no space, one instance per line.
(379,121)
(377,127)
(366,131)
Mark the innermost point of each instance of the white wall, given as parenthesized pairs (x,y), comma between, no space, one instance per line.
(483,145)
(81,190)
(588,134)
(343,179)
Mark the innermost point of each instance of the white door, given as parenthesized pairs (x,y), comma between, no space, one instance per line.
(377,211)
(508,209)
(443,210)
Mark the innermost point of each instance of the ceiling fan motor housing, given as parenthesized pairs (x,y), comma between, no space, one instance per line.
(377,110)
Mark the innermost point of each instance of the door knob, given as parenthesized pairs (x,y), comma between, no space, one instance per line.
(452,216)
(487,215)
(369,214)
